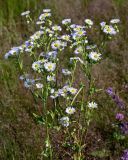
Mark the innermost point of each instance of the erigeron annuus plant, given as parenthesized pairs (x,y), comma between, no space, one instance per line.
(73,104)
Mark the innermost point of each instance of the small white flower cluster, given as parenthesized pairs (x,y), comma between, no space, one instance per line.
(64,121)
(64,92)
(51,39)
(92,105)
(111,29)
(58,45)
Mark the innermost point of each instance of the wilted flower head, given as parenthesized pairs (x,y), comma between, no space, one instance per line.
(119,116)
(64,121)
(92,105)
(70,110)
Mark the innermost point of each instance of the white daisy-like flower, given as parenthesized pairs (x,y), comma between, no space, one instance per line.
(77,28)
(94,56)
(54,95)
(49,66)
(39,85)
(36,66)
(66,72)
(37,35)
(50,78)
(64,121)
(114,21)
(46,10)
(108,29)
(51,54)
(92,105)
(56,28)
(78,50)
(58,44)
(44,15)
(72,90)
(89,22)
(66,21)
(70,110)
(25,13)
(65,37)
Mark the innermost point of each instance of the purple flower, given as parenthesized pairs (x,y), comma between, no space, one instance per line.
(119,116)
(110,91)
(124,127)
(125,155)
(115,98)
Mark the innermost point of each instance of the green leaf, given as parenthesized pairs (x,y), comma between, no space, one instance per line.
(101,153)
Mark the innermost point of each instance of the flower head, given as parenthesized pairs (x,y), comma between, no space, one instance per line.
(50,78)
(108,29)
(70,110)
(115,21)
(25,13)
(92,105)
(37,66)
(94,56)
(56,28)
(119,116)
(125,155)
(66,21)
(46,10)
(64,121)
(49,66)
(72,90)
(66,72)
(88,22)
(39,85)
(58,44)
